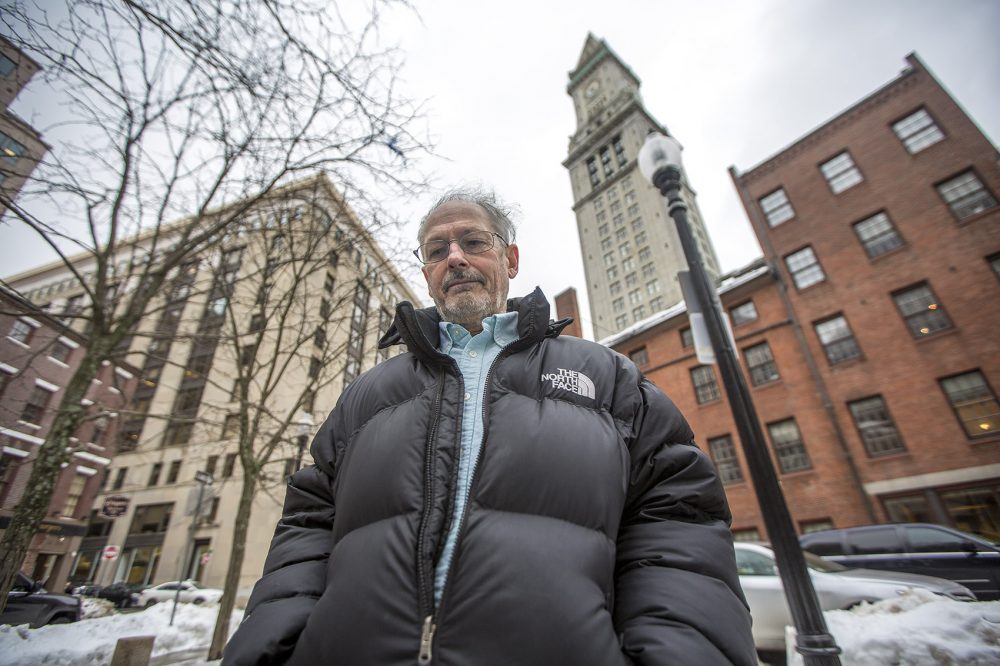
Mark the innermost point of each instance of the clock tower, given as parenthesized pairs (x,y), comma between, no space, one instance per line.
(631,251)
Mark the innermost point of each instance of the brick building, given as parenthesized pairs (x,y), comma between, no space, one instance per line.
(870,343)
(21,147)
(38,356)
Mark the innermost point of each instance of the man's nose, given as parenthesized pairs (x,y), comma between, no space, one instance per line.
(456,256)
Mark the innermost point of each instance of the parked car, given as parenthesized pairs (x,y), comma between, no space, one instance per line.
(837,587)
(123,595)
(190,591)
(920,548)
(30,603)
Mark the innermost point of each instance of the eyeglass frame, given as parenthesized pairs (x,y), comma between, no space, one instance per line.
(416,253)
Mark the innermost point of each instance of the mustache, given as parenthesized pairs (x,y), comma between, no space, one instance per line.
(455,277)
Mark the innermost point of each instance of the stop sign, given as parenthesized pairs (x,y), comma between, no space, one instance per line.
(110,553)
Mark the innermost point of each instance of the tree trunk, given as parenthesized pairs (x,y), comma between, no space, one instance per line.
(46,468)
(231,586)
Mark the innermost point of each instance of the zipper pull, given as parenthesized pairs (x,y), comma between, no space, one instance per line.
(426,636)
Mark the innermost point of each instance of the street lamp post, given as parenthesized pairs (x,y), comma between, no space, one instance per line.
(203,479)
(660,163)
(305,429)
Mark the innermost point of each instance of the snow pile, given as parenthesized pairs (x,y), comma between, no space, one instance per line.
(94,608)
(93,641)
(916,629)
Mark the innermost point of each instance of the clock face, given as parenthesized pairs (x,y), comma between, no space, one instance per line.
(592,89)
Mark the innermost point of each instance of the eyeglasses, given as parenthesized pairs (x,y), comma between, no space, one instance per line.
(472,242)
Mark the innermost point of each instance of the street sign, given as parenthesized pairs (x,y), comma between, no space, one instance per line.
(110,553)
(203,477)
(115,505)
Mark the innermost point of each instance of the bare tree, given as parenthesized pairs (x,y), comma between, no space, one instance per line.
(173,110)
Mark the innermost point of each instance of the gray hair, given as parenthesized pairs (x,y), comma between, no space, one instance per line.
(498,212)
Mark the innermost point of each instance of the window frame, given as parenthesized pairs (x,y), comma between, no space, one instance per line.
(727,466)
(705,392)
(873,442)
(916,141)
(739,319)
(983,190)
(756,370)
(876,246)
(844,178)
(787,446)
(991,396)
(826,345)
(776,209)
(806,268)
(935,306)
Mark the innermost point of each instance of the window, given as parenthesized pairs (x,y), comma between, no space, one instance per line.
(618,304)
(628,264)
(174,471)
(356,340)
(724,455)
(761,364)
(609,258)
(621,321)
(917,131)
(705,388)
(256,323)
(818,525)
(837,339)
(595,179)
(616,288)
(804,268)
(656,304)
(974,402)
(21,331)
(60,351)
(637,224)
(648,270)
(319,337)
(603,229)
(748,534)
(74,494)
(119,478)
(645,254)
(621,234)
(875,425)
(920,310)
(640,238)
(841,173)
(6,65)
(230,426)
(228,465)
(687,338)
(635,296)
(994,261)
(151,518)
(154,474)
(640,357)
(314,367)
(606,161)
(211,463)
(743,313)
(966,195)
(37,403)
(877,235)
(777,208)
(639,313)
(631,280)
(633,210)
(10,150)
(624,250)
(787,441)
(653,287)
(606,244)
(619,150)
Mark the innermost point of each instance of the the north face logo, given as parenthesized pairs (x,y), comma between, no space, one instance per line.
(571,380)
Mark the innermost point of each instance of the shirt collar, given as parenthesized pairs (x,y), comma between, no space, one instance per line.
(502,328)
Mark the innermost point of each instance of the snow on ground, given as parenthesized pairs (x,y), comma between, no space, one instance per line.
(917,629)
(93,641)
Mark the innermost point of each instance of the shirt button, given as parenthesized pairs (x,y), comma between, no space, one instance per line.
(467,396)
(473,354)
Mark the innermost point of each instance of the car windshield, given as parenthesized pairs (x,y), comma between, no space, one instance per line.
(195,585)
(817,563)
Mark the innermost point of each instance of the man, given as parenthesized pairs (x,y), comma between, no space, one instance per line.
(498,495)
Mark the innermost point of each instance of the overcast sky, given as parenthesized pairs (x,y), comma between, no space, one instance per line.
(734,81)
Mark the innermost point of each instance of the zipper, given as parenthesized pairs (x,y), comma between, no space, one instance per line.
(425,590)
(506,351)
(426,638)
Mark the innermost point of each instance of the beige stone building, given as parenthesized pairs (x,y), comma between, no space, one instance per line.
(631,251)
(271,325)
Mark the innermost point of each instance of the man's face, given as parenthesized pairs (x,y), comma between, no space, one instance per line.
(468,288)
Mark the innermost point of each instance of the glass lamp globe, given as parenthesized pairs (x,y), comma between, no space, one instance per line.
(658,152)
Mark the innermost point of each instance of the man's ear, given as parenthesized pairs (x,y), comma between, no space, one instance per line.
(513,257)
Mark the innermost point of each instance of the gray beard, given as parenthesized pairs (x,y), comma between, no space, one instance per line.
(469,310)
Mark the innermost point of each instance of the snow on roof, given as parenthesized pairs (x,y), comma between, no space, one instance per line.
(729,282)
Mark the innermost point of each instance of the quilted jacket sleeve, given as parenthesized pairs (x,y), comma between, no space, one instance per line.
(294,574)
(677,595)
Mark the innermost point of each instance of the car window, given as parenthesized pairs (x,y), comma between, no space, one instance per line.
(874,540)
(752,563)
(817,563)
(823,544)
(167,586)
(931,540)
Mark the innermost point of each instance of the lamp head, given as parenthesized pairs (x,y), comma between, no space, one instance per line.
(305,423)
(657,153)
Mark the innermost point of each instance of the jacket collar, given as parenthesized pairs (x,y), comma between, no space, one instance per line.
(418,329)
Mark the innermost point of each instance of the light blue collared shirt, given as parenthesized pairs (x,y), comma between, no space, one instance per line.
(474,355)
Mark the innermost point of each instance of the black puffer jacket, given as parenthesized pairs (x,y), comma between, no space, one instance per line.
(596,531)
